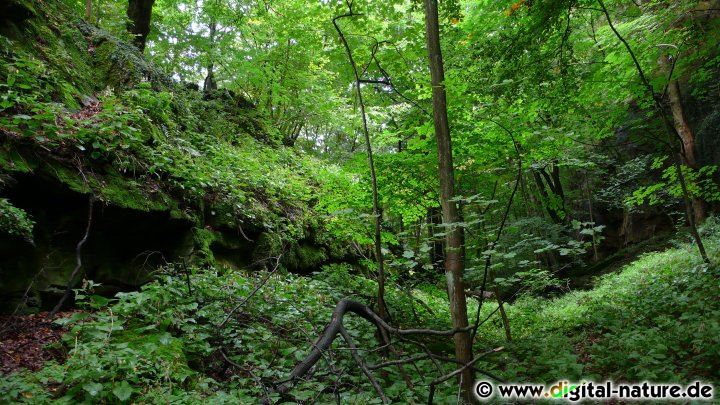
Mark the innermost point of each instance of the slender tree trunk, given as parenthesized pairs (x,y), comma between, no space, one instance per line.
(503,315)
(88,10)
(682,126)
(527,204)
(453,253)
(545,197)
(377,213)
(139,13)
(588,195)
(688,208)
(209,84)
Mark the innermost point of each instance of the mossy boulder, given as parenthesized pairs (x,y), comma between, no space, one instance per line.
(177,175)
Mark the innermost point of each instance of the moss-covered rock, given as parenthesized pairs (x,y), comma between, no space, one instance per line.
(86,113)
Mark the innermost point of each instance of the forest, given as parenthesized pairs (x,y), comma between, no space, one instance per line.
(357,201)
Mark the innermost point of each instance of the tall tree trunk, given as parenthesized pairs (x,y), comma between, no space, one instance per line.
(139,13)
(453,253)
(88,10)
(682,126)
(209,84)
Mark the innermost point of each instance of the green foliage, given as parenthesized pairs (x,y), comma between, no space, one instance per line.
(699,183)
(549,117)
(28,105)
(165,341)
(14,221)
(137,140)
(656,320)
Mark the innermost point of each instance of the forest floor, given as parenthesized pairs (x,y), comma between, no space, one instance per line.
(657,319)
(28,341)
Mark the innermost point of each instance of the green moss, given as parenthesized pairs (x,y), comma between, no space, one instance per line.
(69,177)
(119,64)
(12,161)
(305,257)
(128,193)
(267,245)
(203,239)
(115,189)
(104,60)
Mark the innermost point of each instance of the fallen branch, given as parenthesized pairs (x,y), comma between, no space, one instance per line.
(433,357)
(334,327)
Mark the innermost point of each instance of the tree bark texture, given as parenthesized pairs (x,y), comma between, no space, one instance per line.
(687,137)
(453,240)
(139,13)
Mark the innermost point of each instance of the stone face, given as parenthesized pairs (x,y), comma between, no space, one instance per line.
(126,244)
(123,248)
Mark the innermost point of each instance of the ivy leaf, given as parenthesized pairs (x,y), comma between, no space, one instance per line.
(123,391)
(165,338)
(92,388)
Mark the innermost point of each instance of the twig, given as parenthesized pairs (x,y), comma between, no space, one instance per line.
(252,294)
(256,378)
(363,366)
(243,234)
(459,370)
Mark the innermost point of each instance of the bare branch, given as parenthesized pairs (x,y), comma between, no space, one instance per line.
(252,294)
(363,366)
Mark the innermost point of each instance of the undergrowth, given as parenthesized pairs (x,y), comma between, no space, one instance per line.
(656,320)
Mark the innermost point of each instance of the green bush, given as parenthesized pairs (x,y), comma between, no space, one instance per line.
(14,221)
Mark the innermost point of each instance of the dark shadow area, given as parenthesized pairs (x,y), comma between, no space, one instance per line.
(123,248)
